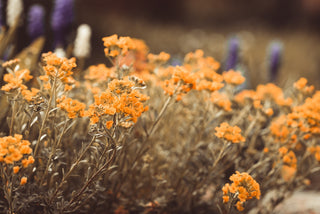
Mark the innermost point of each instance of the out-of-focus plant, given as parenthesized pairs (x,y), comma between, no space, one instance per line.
(142,136)
(275,51)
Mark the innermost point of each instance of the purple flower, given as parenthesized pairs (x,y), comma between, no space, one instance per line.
(1,15)
(274,61)
(36,21)
(62,17)
(233,53)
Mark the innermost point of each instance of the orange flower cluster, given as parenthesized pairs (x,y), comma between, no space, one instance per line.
(74,108)
(233,77)
(100,73)
(289,168)
(15,77)
(315,150)
(57,67)
(197,72)
(204,69)
(307,115)
(158,59)
(301,85)
(229,133)
(13,149)
(221,100)
(243,186)
(269,92)
(115,45)
(29,95)
(181,82)
(279,129)
(120,98)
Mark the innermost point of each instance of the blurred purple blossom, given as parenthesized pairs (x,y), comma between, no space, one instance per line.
(36,21)
(1,14)
(233,53)
(274,59)
(62,17)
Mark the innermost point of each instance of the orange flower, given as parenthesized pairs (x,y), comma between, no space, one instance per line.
(233,77)
(100,73)
(60,68)
(16,169)
(315,150)
(158,59)
(115,46)
(243,186)
(221,100)
(269,112)
(109,124)
(301,85)
(288,172)
(15,80)
(29,95)
(23,181)
(229,133)
(12,149)
(74,108)
(122,98)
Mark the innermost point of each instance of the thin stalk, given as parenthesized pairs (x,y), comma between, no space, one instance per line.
(12,117)
(46,115)
(71,169)
(221,153)
(53,151)
(92,178)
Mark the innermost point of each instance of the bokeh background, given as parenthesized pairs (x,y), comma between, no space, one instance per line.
(181,26)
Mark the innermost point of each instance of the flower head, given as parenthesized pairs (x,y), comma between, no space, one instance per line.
(229,133)
(82,44)
(62,17)
(36,21)
(274,59)
(13,149)
(233,53)
(243,187)
(14,10)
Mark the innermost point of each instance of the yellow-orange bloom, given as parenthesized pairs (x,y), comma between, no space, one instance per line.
(12,149)
(229,133)
(243,186)
(74,108)
(233,77)
(23,181)
(16,169)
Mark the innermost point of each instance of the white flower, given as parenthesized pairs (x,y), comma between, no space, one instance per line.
(82,44)
(14,10)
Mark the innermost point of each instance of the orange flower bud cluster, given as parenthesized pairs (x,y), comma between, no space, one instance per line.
(269,92)
(13,149)
(229,133)
(233,77)
(158,59)
(74,108)
(15,79)
(243,188)
(115,45)
(315,150)
(301,85)
(122,98)
(221,100)
(57,67)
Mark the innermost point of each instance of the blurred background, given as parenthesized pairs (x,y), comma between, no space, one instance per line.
(256,27)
